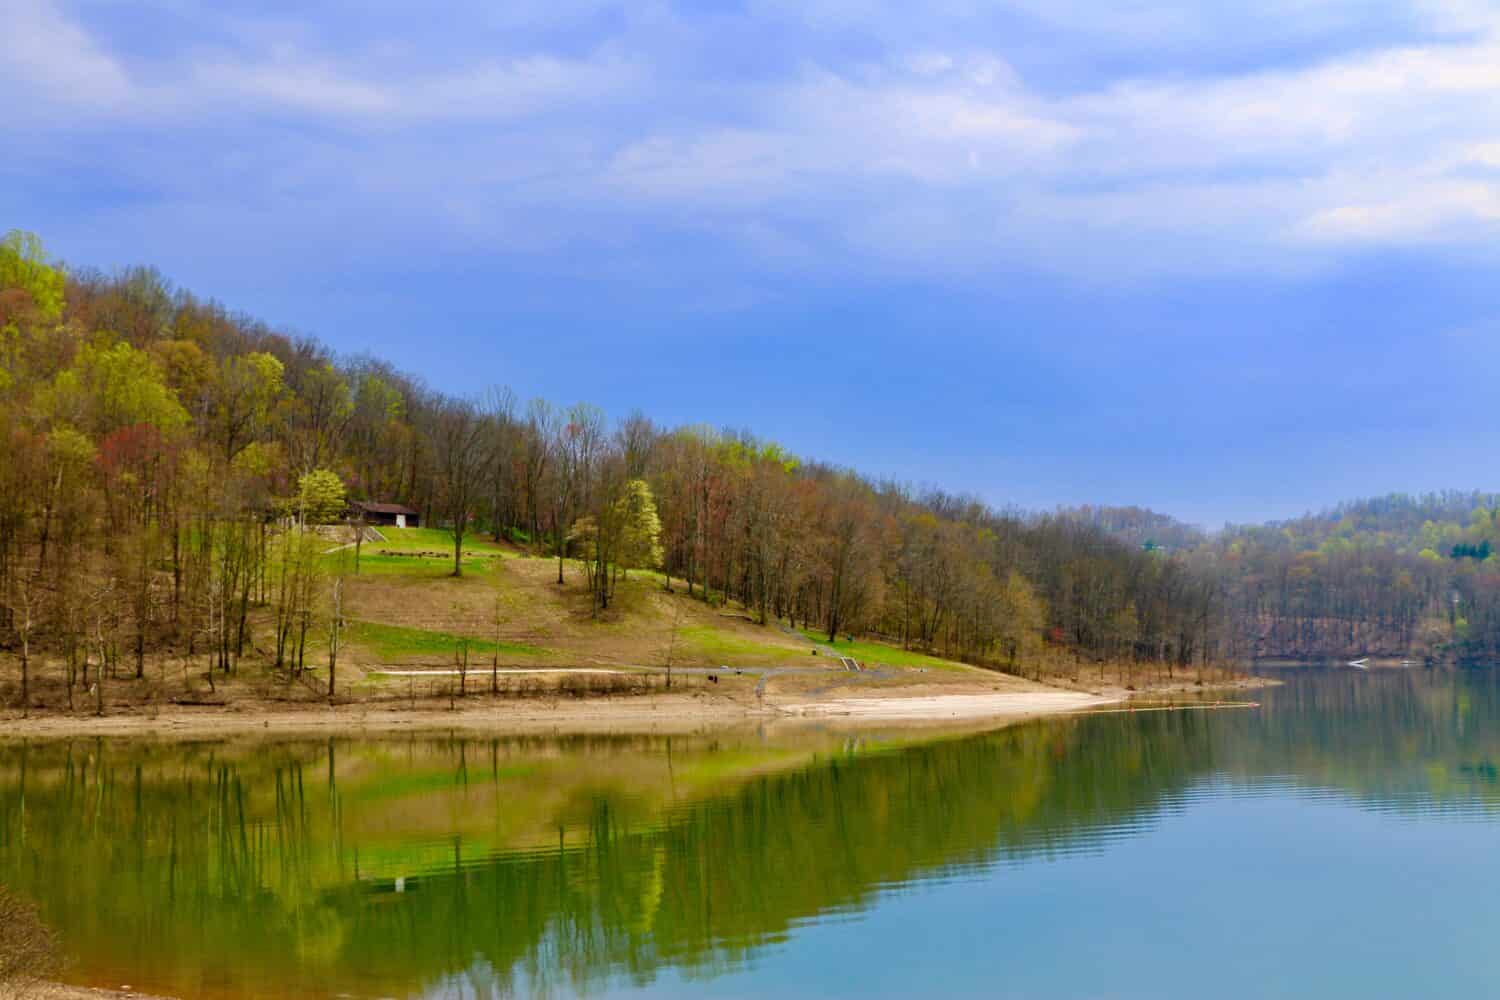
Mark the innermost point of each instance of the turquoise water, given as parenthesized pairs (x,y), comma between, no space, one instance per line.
(1337,841)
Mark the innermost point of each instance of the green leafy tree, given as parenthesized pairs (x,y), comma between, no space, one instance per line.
(1023,618)
(113,386)
(320,497)
(249,386)
(23,265)
(640,528)
(321,413)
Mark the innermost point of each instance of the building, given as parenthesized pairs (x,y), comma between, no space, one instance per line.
(391,514)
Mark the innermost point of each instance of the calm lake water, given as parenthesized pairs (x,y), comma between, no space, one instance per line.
(1340,841)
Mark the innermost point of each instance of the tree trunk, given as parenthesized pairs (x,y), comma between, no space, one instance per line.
(25,676)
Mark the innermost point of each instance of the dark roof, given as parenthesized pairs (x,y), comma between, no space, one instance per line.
(382,508)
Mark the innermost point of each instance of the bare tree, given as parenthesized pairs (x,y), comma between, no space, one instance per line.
(23,619)
(504,458)
(460,446)
(578,447)
(335,632)
(537,440)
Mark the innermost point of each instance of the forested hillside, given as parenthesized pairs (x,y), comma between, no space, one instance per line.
(1397,575)
(163,458)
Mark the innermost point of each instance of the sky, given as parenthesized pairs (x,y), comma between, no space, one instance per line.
(1229,261)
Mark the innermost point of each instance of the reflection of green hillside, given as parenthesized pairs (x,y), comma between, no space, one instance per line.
(263,869)
(1394,738)
(273,869)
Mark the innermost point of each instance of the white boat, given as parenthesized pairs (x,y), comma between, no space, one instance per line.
(1363,663)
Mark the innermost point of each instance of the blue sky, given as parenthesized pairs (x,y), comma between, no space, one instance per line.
(1229,261)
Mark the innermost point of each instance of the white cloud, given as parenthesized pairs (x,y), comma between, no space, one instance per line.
(493,89)
(311,87)
(43,51)
(937,121)
(931,155)
(1418,212)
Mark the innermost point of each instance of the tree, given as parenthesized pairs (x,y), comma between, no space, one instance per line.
(640,533)
(66,501)
(335,632)
(320,497)
(537,440)
(1022,619)
(847,522)
(23,607)
(23,266)
(111,387)
(249,386)
(320,414)
(622,533)
(298,568)
(504,451)
(459,443)
(576,448)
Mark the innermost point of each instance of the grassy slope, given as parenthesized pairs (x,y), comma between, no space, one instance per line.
(880,654)
(392,642)
(406,609)
(415,552)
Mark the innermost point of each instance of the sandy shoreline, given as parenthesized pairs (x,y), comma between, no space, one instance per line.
(647,714)
(897,699)
(927,707)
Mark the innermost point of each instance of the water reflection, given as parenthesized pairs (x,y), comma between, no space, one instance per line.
(559,865)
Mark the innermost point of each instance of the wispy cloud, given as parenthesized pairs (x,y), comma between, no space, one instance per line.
(45,54)
(935,151)
(496,90)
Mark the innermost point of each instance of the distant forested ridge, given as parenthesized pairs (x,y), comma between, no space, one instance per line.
(1398,575)
(160,454)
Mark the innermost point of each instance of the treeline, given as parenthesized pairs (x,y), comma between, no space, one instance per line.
(157,447)
(1399,575)
(1418,571)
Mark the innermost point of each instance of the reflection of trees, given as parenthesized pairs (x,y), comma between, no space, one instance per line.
(242,869)
(542,863)
(1394,739)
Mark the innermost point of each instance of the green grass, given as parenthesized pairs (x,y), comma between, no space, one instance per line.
(416,552)
(432,540)
(395,642)
(372,564)
(878,653)
(715,645)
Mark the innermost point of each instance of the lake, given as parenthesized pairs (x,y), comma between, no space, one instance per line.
(1338,841)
